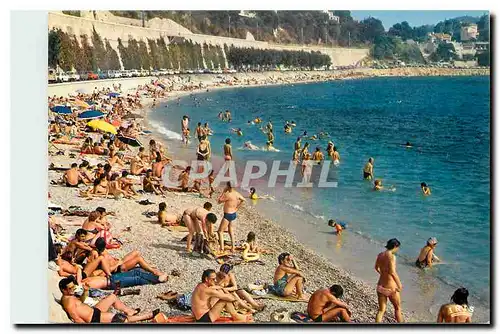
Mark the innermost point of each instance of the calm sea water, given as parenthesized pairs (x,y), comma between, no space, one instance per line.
(447,119)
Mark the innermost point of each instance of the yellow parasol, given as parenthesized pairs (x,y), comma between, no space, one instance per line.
(102,125)
(80,103)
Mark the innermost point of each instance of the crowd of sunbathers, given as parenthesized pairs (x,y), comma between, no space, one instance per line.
(87,267)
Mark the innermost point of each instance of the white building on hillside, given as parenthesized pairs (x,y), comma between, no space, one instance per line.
(332,17)
(469,32)
(247,13)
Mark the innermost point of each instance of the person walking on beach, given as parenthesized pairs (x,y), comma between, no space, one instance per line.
(325,306)
(232,201)
(368,169)
(185,125)
(228,151)
(458,311)
(389,285)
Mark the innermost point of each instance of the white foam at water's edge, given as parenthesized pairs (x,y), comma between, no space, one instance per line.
(164,131)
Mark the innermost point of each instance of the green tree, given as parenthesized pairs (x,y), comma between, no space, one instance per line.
(113,61)
(483,27)
(88,53)
(483,59)
(54,48)
(370,29)
(125,56)
(134,54)
(444,52)
(99,50)
(144,55)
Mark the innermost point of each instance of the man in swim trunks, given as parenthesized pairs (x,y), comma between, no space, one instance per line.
(368,169)
(232,201)
(204,296)
(73,177)
(458,311)
(82,313)
(325,306)
(288,280)
(389,285)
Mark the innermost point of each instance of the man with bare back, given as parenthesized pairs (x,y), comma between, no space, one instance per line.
(232,201)
(389,285)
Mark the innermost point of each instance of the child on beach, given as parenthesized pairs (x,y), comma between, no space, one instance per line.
(339,226)
(252,241)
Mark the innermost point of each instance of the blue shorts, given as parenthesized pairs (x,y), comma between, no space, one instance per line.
(230,216)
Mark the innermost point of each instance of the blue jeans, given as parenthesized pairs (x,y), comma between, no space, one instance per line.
(136,276)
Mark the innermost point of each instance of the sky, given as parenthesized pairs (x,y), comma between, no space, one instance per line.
(414,17)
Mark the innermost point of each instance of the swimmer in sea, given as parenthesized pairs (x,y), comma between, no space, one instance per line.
(288,128)
(270,147)
(270,136)
(425,189)
(368,170)
(249,146)
(313,137)
(254,196)
(237,131)
(378,185)
(408,145)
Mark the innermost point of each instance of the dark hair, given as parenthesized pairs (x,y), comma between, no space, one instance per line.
(107,167)
(141,149)
(228,184)
(203,137)
(162,206)
(74,164)
(423,184)
(393,243)
(298,138)
(211,218)
(228,141)
(331,222)
(337,291)
(99,165)
(100,245)
(226,268)
(152,142)
(67,256)
(206,273)
(199,123)
(124,173)
(317,148)
(81,231)
(114,176)
(252,190)
(460,296)
(100,209)
(158,157)
(250,237)
(85,163)
(207,206)
(63,284)
(282,257)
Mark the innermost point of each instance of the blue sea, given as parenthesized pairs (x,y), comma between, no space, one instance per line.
(447,119)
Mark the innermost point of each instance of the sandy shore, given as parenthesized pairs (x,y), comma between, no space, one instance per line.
(166,251)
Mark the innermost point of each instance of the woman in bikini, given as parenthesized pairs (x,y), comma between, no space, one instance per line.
(458,311)
(93,227)
(389,285)
(426,255)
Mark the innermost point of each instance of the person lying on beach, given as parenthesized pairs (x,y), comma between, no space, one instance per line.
(79,312)
(425,189)
(72,177)
(232,201)
(151,185)
(458,311)
(229,285)
(101,259)
(389,285)
(427,256)
(165,218)
(325,306)
(211,179)
(117,281)
(98,149)
(368,169)
(204,292)
(288,280)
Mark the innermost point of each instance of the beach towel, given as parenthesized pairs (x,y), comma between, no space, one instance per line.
(188,318)
(284,299)
(300,317)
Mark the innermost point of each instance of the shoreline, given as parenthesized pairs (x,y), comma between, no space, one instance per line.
(164,250)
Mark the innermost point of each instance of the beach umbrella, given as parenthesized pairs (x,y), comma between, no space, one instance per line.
(113,94)
(132,116)
(103,126)
(91,114)
(81,104)
(61,110)
(82,90)
(129,141)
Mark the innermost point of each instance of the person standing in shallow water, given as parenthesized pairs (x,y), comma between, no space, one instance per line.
(389,285)
(228,151)
(368,169)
